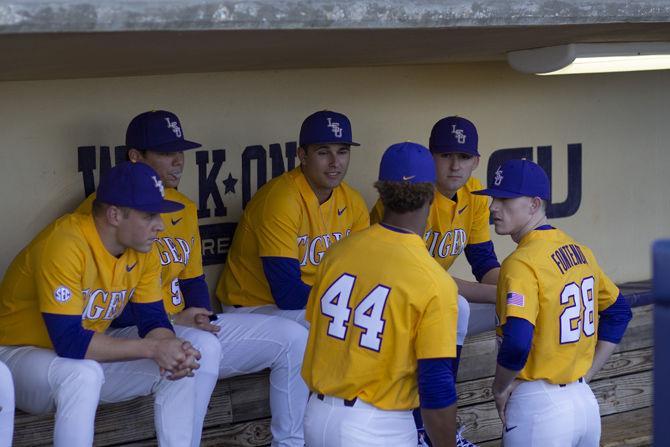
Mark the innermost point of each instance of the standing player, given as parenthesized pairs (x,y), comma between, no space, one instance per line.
(59,296)
(560,319)
(246,343)
(291,222)
(6,406)
(383,323)
(459,222)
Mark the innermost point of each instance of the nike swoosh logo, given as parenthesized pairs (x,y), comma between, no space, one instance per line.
(507,430)
(340,211)
(406,177)
(130,267)
(462,209)
(176,221)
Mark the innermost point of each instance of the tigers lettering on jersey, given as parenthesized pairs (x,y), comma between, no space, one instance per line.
(450,243)
(556,284)
(174,250)
(105,305)
(316,247)
(452,224)
(369,324)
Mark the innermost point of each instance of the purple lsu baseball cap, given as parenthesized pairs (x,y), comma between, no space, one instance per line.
(137,186)
(326,127)
(454,134)
(407,162)
(518,178)
(157,131)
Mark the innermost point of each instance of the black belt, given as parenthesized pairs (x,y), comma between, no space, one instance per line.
(347,403)
(580,380)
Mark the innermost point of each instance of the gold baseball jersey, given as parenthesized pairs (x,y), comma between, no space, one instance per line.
(556,284)
(178,247)
(285,219)
(67,270)
(379,304)
(452,224)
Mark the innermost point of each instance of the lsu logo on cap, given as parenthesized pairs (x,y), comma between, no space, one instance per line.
(499,176)
(458,133)
(62,294)
(159,184)
(174,126)
(335,127)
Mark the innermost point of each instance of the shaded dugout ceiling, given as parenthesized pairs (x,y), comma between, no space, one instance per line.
(73,39)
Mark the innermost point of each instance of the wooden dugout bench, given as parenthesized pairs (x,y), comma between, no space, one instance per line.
(239,413)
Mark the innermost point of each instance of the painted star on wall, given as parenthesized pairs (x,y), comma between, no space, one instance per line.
(229,183)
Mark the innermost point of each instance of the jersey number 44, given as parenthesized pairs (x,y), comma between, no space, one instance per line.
(335,304)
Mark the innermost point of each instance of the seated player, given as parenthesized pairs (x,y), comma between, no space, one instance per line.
(232,344)
(560,319)
(383,318)
(290,223)
(59,296)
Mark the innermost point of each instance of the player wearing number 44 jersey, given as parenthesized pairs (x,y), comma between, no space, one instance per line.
(560,318)
(383,324)
(232,344)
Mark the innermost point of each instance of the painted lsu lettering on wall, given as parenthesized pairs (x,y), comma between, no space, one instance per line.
(216,180)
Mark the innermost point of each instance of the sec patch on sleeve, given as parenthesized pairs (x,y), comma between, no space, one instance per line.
(62,294)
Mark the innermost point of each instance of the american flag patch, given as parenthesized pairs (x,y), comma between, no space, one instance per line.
(515,299)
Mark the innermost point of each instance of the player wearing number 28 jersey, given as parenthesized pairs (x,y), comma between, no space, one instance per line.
(560,318)
(383,323)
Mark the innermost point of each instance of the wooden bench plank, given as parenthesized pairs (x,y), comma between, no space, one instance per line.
(481,422)
(622,363)
(632,428)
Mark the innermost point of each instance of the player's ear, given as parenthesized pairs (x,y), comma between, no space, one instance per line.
(302,154)
(114,214)
(535,204)
(134,155)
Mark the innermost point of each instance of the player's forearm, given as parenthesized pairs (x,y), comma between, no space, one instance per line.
(475,292)
(104,348)
(503,379)
(441,425)
(491,277)
(604,350)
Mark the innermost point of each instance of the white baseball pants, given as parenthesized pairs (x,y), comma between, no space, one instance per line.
(205,376)
(253,342)
(295,315)
(6,406)
(330,423)
(540,414)
(44,382)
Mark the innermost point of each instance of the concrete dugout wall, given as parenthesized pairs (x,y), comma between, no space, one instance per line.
(620,121)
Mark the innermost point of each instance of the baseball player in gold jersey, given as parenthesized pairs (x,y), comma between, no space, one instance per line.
(379,344)
(560,318)
(231,344)
(60,294)
(459,223)
(290,223)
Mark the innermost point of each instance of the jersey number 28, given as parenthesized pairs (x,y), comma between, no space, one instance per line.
(579,317)
(367,315)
